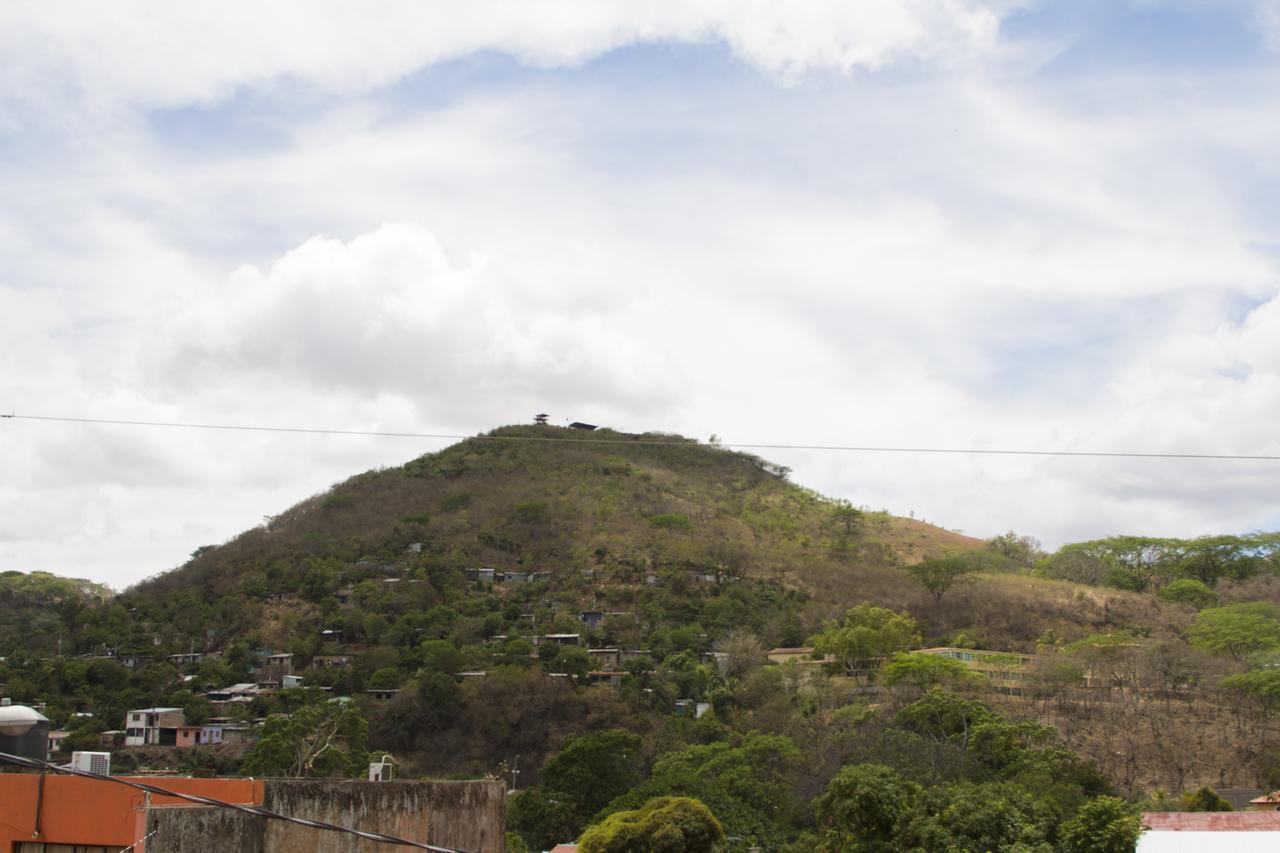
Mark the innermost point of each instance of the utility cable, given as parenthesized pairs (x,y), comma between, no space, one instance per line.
(37,764)
(586,438)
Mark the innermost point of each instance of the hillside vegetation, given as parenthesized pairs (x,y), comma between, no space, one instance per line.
(593,610)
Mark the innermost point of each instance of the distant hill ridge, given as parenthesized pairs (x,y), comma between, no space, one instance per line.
(545,498)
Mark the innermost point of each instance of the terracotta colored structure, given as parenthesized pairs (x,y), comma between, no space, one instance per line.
(75,810)
(105,817)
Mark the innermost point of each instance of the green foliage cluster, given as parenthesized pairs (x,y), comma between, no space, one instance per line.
(662,825)
(322,739)
(1006,785)
(865,636)
(584,777)
(1142,563)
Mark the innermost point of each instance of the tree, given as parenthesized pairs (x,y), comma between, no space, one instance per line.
(867,635)
(326,739)
(1190,592)
(662,825)
(442,656)
(1102,825)
(1211,557)
(923,670)
(1204,800)
(588,772)
(944,717)
(1236,629)
(862,807)
(968,816)
(848,520)
(743,653)
(1260,685)
(1023,550)
(749,786)
(938,576)
(542,818)
(594,768)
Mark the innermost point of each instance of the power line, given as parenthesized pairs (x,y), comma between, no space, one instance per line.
(37,764)
(845,448)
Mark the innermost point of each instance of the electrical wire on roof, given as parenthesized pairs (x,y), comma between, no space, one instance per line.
(37,764)
(1239,457)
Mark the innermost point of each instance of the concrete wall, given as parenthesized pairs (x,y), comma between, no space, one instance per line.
(461,815)
(199,828)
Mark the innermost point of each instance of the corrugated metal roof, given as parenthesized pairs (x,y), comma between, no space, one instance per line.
(1212,821)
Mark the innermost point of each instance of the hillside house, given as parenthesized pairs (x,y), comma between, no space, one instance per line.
(481,575)
(186,659)
(786,655)
(185,737)
(153,726)
(332,661)
(1265,803)
(610,678)
(719,659)
(559,639)
(276,666)
(55,741)
(609,658)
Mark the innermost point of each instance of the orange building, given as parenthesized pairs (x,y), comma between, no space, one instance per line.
(97,816)
(76,814)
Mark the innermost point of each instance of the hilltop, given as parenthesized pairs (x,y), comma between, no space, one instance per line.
(594,513)
(553,499)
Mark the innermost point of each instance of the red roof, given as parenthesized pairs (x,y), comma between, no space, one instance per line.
(565,848)
(1272,799)
(1212,821)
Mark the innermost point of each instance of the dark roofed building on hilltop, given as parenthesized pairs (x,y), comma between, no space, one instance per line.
(581,425)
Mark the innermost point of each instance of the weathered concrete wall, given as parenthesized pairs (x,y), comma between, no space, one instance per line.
(178,829)
(462,815)
(466,816)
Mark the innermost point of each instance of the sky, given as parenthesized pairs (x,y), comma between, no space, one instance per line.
(973,224)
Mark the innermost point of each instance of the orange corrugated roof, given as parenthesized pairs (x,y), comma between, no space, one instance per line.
(1212,821)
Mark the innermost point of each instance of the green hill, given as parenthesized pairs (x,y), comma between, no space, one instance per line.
(598,512)
(432,592)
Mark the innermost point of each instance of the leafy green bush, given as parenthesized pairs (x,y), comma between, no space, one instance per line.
(455,502)
(662,825)
(1191,592)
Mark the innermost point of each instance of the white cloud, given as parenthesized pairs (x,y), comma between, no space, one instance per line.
(963,259)
(158,54)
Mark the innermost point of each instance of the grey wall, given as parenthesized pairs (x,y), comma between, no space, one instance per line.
(462,815)
(199,829)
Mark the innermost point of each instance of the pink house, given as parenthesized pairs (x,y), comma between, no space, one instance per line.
(186,736)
